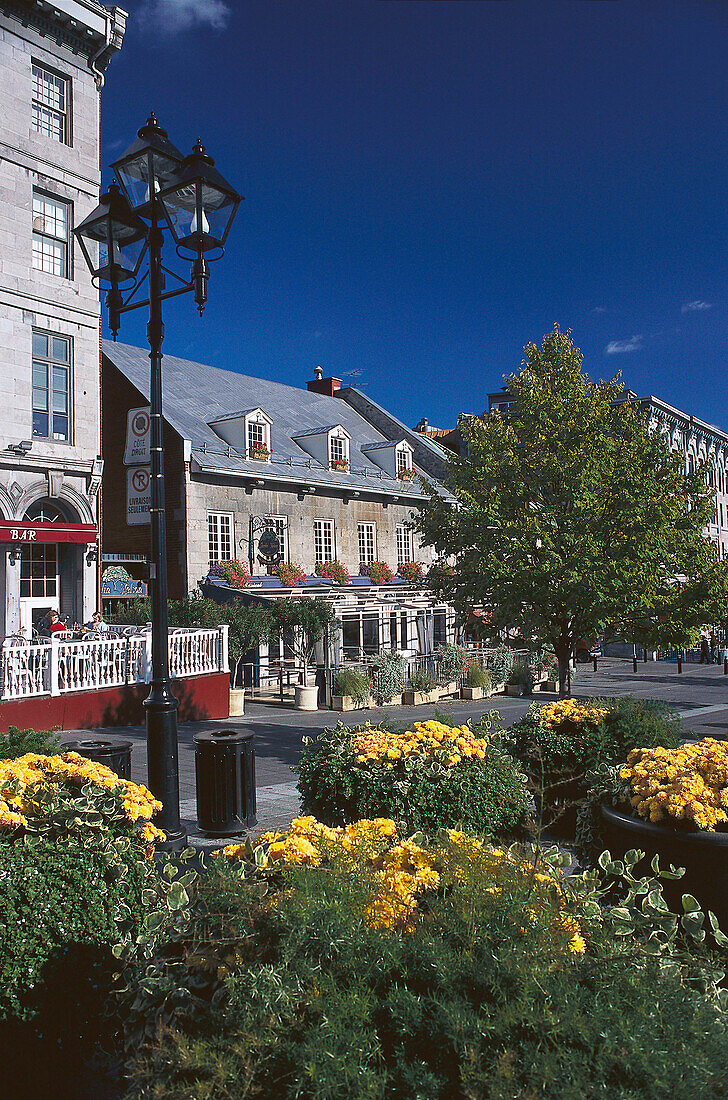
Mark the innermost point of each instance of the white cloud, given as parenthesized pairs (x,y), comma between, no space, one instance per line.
(175,16)
(696,307)
(599,309)
(618,347)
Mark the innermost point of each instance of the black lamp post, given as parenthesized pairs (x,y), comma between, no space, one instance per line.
(158,187)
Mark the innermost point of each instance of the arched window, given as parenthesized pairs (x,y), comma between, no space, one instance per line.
(46,511)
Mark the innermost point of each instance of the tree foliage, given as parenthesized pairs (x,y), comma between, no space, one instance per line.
(573,516)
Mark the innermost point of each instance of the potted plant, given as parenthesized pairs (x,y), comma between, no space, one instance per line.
(452,661)
(340,464)
(478,683)
(306,622)
(389,672)
(290,574)
(421,689)
(258,451)
(352,689)
(234,573)
(377,571)
(411,571)
(406,473)
(520,680)
(671,803)
(501,663)
(333,571)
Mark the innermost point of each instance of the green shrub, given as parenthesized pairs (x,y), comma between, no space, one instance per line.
(501,663)
(353,683)
(483,795)
(297,995)
(520,674)
(479,677)
(17,743)
(560,743)
(389,671)
(421,681)
(452,660)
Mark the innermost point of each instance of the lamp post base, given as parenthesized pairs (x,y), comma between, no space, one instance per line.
(162,763)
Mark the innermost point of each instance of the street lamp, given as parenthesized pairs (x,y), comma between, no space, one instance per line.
(158,187)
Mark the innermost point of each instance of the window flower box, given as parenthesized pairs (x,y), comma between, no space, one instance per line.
(406,474)
(259,452)
(340,464)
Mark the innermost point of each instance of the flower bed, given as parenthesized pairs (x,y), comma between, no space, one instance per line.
(356,962)
(685,786)
(430,776)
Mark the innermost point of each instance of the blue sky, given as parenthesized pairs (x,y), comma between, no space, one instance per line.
(428,186)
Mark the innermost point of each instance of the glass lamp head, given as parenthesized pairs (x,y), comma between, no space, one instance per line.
(148,166)
(200,204)
(119,235)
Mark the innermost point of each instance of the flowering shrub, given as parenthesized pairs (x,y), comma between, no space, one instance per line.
(234,573)
(452,662)
(334,571)
(686,785)
(426,777)
(439,572)
(353,962)
(377,571)
(412,571)
(388,675)
(561,742)
(290,575)
(403,869)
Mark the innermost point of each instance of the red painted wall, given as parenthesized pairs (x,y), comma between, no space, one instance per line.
(199,697)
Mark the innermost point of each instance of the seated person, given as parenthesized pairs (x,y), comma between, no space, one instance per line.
(55,623)
(97,623)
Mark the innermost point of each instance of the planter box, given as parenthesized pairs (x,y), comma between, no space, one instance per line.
(417,698)
(447,689)
(472,693)
(703,854)
(237,702)
(550,685)
(497,689)
(396,701)
(345,702)
(515,689)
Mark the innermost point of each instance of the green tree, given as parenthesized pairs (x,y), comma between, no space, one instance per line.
(573,517)
(306,621)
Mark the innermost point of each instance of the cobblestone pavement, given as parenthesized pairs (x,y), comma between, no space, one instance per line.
(700,694)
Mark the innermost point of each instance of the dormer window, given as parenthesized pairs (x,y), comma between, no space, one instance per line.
(257,436)
(404,463)
(339,453)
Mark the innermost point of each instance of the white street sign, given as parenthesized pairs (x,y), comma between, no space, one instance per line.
(138,494)
(137,451)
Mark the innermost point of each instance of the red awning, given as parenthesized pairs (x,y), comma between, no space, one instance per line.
(29,531)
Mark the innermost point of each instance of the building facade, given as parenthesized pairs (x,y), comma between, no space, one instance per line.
(333,475)
(52,60)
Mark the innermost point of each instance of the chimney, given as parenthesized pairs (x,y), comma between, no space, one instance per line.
(323,385)
(423,426)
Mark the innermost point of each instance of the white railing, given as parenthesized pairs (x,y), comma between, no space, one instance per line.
(51,667)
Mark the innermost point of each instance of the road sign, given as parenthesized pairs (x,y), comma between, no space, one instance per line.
(137,451)
(138,495)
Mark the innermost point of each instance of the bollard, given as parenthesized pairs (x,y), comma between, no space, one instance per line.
(679,664)
(725,666)
(634,664)
(645,655)
(595,664)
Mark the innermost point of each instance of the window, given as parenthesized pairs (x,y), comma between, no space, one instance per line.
(404,544)
(338,458)
(257,439)
(39,570)
(219,537)
(404,460)
(439,629)
(323,540)
(367,542)
(51,104)
(51,235)
(51,386)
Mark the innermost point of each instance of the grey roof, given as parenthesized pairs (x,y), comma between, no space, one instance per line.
(316,431)
(196,395)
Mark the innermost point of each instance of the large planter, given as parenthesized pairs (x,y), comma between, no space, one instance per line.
(395,701)
(497,689)
(515,689)
(703,854)
(448,689)
(306,696)
(472,693)
(237,702)
(418,698)
(550,685)
(345,702)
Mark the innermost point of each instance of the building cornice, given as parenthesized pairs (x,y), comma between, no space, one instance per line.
(84,27)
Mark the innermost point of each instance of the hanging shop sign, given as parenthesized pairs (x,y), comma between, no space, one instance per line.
(138,494)
(138,444)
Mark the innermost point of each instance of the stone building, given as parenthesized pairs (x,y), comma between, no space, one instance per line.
(52,61)
(330,472)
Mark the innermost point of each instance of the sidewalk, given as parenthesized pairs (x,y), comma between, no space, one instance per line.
(700,695)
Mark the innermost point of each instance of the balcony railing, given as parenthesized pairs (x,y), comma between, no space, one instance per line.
(50,667)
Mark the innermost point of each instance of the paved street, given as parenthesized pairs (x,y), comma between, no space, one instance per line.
(700,695)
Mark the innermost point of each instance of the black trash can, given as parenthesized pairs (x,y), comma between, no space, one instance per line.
(114,754)
(225,772)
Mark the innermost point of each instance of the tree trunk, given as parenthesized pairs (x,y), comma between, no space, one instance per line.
(562,655)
